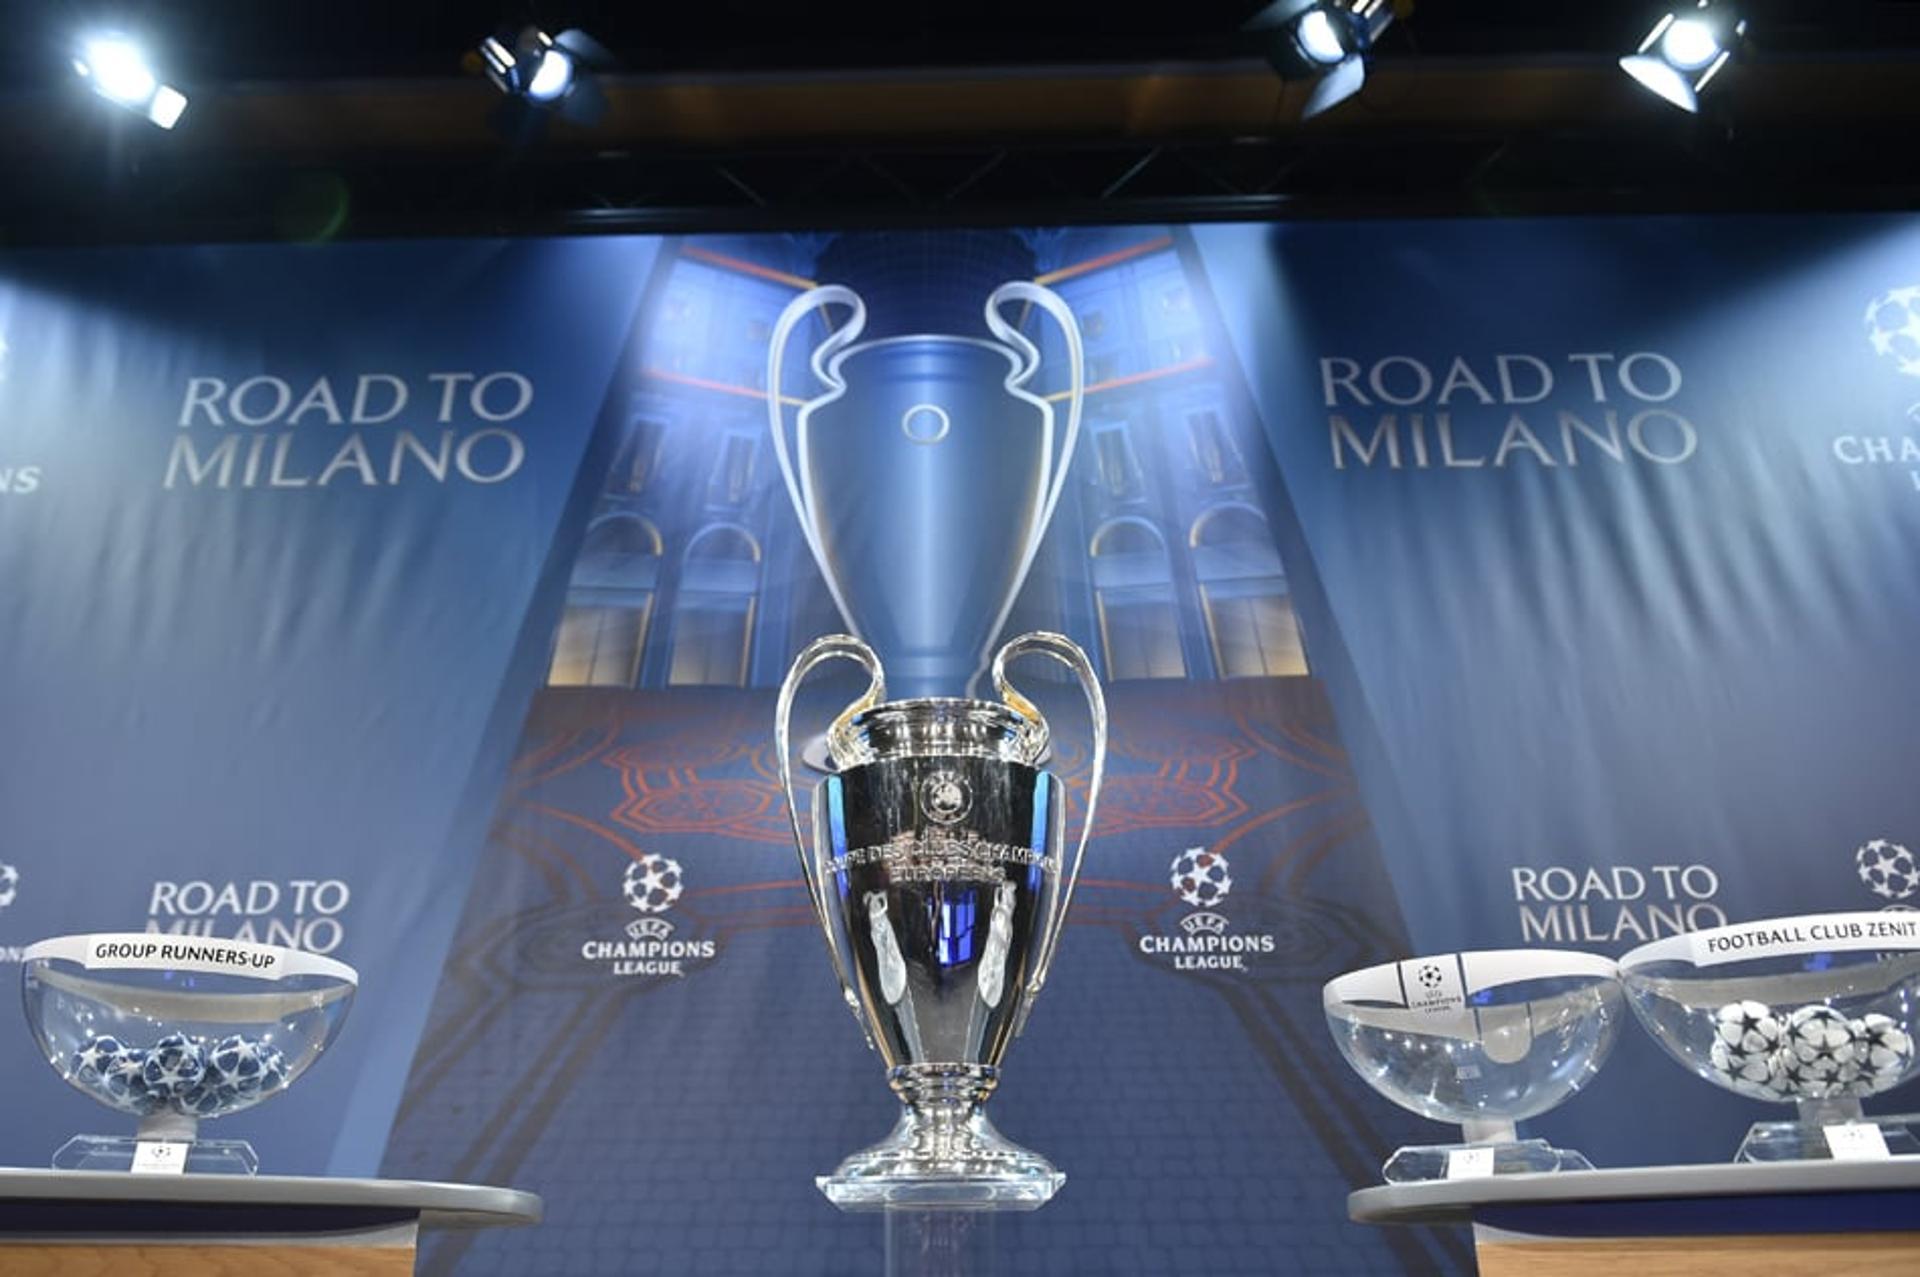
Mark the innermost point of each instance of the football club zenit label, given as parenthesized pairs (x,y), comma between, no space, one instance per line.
(651,885)
(1205,940)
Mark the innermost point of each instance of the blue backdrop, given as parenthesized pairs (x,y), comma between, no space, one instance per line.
(1463,584)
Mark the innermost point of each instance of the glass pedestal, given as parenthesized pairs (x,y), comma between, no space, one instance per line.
(1806,1137)
(124,1152)
(1491,1148)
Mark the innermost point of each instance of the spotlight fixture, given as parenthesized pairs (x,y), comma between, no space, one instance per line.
(116,67)
(1685,50)
(1324,40)
(554,73)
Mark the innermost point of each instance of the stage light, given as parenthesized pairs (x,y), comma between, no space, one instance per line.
(552,77)
(550,72)
(118,70)
(1685,50)
(1319,38)
(1325,40)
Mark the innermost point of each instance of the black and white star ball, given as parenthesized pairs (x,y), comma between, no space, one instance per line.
(1738,1068)
(1821,1042)
(1746,1040)
(1747,1028)
(1882,1051)
(1784,1080)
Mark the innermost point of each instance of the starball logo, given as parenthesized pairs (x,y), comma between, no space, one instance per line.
(1893,330)
(1506,411)
(651,885)
(1202,879)
(1888,870)
(364,430)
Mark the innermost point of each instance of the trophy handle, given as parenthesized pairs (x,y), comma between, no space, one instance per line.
(836,340)
(1068,653)
(842,745)
(1055,479)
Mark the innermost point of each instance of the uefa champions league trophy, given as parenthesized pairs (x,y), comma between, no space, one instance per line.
(935,869)
(917,443)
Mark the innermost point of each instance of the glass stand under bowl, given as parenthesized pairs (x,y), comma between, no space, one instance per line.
(120,1152)
(1491,1148)
(1805,1138)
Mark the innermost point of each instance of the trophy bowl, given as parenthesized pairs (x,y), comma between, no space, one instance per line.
(174,1029)
(940,874)
(1483,1039)
(1817,1011)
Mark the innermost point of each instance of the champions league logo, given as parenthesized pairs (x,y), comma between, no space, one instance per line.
(1893,330)
(1888,870)
(1893,327)
(945,798)
(652,885)
(1202,879)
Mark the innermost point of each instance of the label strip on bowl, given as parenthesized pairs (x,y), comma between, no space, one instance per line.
(152,951)
(1809,933)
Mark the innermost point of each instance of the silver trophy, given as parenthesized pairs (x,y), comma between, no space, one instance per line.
(936,871)
(920,442)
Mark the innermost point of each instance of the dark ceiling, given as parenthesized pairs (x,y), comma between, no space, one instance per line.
(317,119)
(210,43)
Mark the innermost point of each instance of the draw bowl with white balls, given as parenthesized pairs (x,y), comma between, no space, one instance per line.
(1814,1008)
(153,1024)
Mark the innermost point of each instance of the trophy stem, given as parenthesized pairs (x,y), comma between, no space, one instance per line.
(943,1153)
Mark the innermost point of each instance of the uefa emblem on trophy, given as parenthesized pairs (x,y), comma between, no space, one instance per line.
(918,442)
(937,871)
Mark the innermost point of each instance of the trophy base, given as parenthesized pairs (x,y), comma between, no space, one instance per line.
(1414,1164)
(1821,1122)
(943,1157)
(117,1153)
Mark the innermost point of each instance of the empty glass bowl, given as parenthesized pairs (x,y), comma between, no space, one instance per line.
(1483,1039)
(1816,1011)
(173,1029)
